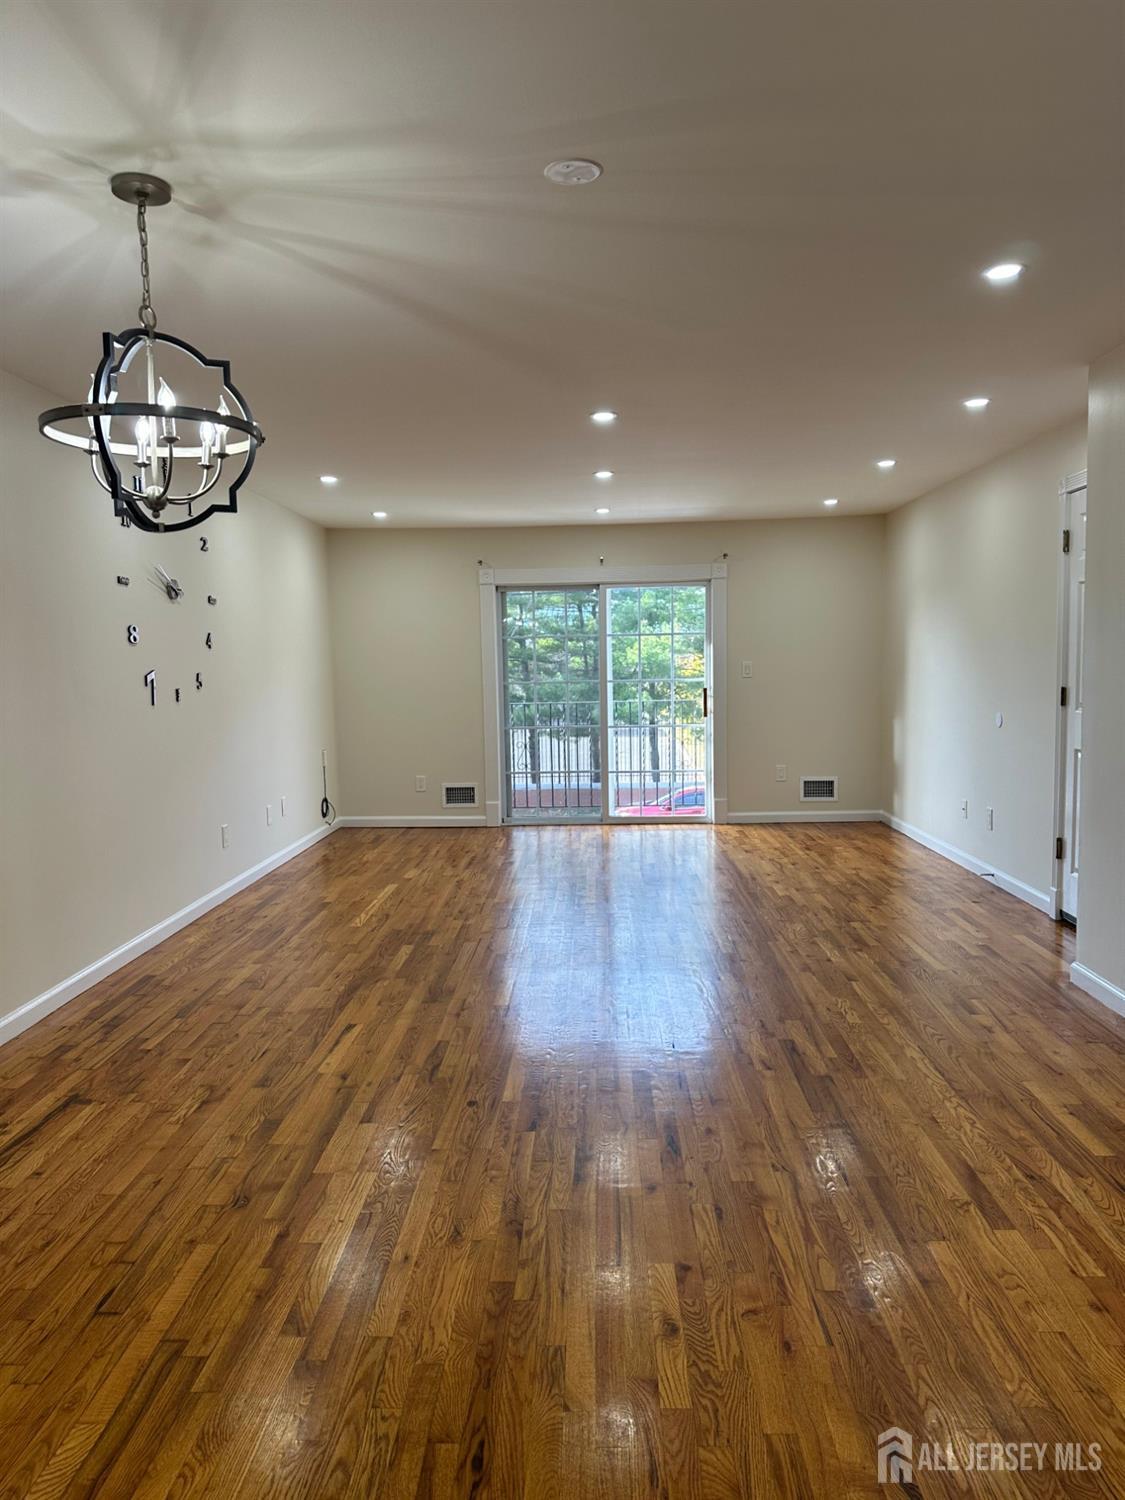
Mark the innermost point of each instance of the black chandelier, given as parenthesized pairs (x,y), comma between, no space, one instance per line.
(139,449)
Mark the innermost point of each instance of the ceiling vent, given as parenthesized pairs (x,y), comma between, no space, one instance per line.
(818,788)
(573,172)
(458,794)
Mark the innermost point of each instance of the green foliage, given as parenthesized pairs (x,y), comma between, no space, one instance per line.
(657,663)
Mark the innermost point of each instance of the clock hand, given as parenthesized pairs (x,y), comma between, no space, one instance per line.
(170,583)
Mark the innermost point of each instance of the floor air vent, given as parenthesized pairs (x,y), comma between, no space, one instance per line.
(818,789)
(458,794)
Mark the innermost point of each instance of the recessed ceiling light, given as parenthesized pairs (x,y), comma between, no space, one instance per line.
(380,515)
(975,403)
(329,479)
(885,463)
(1007,270)
(832,501)
(603,418)
(603,474)
(602,510)
(573,172)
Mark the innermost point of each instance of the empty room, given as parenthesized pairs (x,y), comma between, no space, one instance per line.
(562,749)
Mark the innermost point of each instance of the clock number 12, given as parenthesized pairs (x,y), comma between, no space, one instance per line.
(150,683)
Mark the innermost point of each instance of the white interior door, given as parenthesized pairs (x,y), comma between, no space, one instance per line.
(1075,638)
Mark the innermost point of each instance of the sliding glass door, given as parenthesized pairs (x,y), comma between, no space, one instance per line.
(658,763)
(550,660)
(605,703)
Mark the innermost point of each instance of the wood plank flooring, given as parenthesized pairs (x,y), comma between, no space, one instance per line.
(585,1163)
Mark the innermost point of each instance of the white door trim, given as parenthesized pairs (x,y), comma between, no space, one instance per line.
(490,675)
(491,579)
(1071,485)
(718,704)
(517,578)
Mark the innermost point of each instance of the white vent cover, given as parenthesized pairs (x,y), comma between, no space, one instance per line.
(818,789)
(458,794)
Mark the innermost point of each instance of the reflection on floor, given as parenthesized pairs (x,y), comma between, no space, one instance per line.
(597,1162)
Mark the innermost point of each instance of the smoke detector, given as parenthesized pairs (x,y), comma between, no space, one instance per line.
(573,173)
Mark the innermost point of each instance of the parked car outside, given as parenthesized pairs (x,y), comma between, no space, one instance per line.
(684,802)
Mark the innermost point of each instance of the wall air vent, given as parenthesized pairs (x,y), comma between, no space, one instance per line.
(818,789)
(458,794)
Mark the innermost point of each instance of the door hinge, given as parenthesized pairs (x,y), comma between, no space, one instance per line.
(1066,539)
(1062,697)
(1059,847)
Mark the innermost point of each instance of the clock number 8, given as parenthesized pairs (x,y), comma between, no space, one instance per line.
(131,634)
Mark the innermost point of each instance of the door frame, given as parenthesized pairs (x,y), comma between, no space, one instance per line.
(1068,488)
(491,580)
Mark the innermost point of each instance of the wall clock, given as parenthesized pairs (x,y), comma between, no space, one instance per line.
(186,601)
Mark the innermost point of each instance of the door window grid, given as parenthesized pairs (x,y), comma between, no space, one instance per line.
(552,721)
(657,665)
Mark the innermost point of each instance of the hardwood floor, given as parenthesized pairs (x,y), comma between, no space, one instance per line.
(541,1162)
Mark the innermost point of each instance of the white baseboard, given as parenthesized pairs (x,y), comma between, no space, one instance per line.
(34,1010)
(808,815)
(1100,988)
(1042,900)
(443,820)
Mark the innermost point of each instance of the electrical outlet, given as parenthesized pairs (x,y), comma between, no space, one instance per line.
(269,814)
(747,669)
(419,783)
(988,816)
(780,772)
(965,808)
(283,807)
(224,834)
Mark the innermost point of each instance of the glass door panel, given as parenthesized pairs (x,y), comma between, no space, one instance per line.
(658,747)
(550,660)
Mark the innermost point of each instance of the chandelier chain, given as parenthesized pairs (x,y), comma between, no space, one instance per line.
(144,312)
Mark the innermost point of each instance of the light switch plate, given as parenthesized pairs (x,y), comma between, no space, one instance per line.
(747,669)
(780,772)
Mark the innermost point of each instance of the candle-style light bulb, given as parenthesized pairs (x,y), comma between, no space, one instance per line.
(221,430)
(143,431)
(167,399)
(207,440)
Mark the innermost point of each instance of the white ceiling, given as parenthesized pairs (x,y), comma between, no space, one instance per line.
(775,283)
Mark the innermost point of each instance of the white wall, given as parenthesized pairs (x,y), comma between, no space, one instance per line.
(972,631)
(805,604)
(1101,882)
(110,809)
